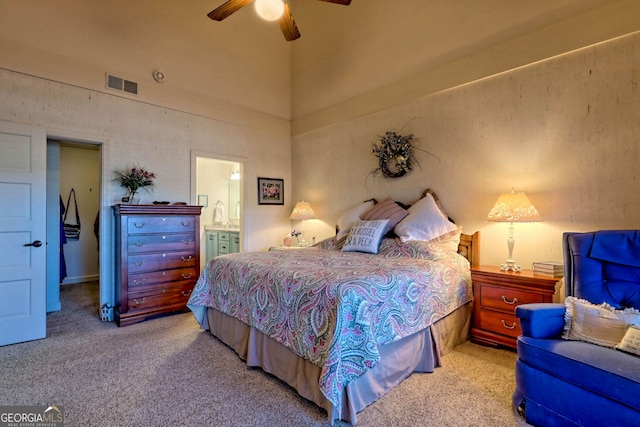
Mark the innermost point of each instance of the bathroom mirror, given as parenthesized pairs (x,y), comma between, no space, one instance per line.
(234,200)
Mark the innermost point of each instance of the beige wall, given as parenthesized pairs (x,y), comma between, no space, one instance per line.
(564,130)
(161,139)
(80,170)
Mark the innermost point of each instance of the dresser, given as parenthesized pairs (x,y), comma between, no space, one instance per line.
(221,241)
(157,259)
(497,294)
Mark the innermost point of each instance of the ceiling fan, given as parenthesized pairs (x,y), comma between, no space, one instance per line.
(270,10)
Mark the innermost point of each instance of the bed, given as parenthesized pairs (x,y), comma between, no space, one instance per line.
(343,326)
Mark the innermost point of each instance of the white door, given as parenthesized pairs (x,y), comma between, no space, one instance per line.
(23,173)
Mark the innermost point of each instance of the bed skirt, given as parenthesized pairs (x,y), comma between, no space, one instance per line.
(419,352)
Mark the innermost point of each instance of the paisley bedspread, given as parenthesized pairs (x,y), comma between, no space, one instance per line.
(336,308)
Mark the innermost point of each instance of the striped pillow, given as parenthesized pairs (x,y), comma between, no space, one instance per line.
(386,209)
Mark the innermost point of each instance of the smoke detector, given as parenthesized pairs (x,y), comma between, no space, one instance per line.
(158,76)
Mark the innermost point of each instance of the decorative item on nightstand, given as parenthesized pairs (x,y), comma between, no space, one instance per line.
(548,268)
(513,207)
(302,212)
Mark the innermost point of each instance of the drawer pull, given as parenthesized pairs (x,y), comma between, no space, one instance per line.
(138,244)
(186,276)
(138,225)
(186,224)
(139,282)
(507,326)
(138,264)
(138,302)
(186,259)
(186,242)
(185,294)
(513,301)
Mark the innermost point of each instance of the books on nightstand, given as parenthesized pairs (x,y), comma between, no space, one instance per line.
(549,268)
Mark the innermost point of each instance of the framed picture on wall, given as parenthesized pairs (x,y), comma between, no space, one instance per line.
(203,200)
(270,191)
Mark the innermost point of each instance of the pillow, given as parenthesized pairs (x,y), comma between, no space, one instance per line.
(424,222)
(631,341)
(386,209)
(436,199)
(365,236)
(597,324)
(348,218)
(450,241)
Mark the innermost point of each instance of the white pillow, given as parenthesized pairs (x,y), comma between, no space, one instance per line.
(598,324)
(365,236)
(346,221)
(425,222)
(631,341)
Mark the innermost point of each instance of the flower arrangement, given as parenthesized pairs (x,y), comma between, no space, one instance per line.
(134,178)
(296,234)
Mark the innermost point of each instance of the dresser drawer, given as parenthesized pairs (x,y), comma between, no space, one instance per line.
(166,298)
(139,243)
(500,323)
(223,248)
(143,281)
(161,261)
(506,299)
(223,236)
(168,224)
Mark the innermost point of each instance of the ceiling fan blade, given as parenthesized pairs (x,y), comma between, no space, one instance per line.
(344,2)
(227,8)
(288,25)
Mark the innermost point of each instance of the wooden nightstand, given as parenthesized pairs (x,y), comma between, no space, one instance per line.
(496,296)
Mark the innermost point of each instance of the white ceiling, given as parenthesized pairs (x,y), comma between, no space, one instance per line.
(344,52)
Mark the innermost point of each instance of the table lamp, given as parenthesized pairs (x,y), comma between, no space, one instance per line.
(302,212)
(513,207)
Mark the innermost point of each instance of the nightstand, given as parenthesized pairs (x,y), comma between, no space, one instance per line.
(497,294)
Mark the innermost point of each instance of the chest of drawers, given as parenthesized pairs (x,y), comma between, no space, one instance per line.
(157,259)
(496,296)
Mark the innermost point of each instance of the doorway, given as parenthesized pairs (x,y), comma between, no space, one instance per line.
(218,184)
(73,186)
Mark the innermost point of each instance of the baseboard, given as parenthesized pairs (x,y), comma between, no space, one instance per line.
(80,279)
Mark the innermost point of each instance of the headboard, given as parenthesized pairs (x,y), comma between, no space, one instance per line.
(469,248)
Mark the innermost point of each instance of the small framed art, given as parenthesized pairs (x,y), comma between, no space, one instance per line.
(270,191)
(203,200)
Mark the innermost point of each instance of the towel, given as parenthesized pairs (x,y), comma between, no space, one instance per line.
(218,212)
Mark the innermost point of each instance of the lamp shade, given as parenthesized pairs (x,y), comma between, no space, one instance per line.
(302,211)
(513,207)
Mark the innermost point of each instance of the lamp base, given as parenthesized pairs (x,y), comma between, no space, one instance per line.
(510,265)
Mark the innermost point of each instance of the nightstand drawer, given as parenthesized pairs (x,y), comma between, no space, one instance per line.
(497,293)
(505,299)
(500,323)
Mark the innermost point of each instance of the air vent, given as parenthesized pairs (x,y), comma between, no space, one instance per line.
(118,83)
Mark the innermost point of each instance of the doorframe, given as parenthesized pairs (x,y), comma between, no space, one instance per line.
(223,157)
(105,271)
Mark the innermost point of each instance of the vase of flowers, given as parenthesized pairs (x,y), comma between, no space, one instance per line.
(133,179)
(297,234)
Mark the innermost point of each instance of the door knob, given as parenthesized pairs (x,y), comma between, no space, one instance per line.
(36,243)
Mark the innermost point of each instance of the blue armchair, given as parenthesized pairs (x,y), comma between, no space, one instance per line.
(568,383)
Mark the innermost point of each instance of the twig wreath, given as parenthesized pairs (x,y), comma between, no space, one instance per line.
(395,154)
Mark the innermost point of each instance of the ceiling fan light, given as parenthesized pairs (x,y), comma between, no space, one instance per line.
(270,9)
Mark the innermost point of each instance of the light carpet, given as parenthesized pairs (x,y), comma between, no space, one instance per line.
(168,372)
